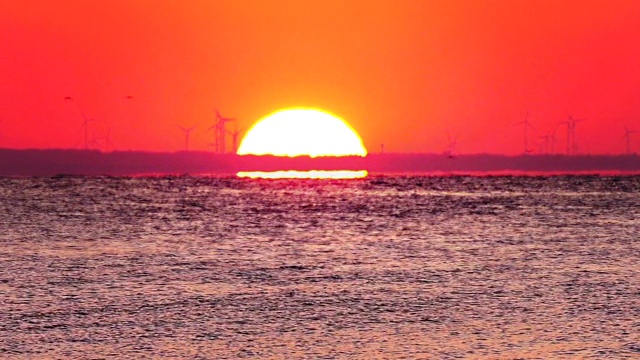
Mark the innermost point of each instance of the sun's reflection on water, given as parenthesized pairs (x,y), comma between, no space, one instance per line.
(312,174)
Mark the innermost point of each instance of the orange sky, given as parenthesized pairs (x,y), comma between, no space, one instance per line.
(402,73)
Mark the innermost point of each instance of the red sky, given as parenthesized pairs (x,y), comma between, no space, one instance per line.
(402,73)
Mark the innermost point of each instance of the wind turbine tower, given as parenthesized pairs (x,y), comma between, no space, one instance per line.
(452,143)
(552,140)
(108,144)
(627,136)
(574,145)
(187,132)
(85,125)
(527,125)
(95,142)
(568,123)
(545,145)
(234,137)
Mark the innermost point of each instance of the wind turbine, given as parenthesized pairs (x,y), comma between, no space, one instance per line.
(451,146)
(573,122)
(545,145)
(220,132)
(94,140)
(627,136)
(186,131)
(549,141)
(568,123)
(234,137)
(107,140)
(572,143)
(527,125)
(85,121)
(85,125)
(216,141)
(553,140)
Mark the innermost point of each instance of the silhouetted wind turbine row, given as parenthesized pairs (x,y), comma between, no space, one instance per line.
(220,133)
(546,146)
(85,126)
(549,140)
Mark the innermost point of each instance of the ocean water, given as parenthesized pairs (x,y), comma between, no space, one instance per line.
(405,267)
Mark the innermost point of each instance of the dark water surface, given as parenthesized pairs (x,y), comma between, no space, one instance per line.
(378,268)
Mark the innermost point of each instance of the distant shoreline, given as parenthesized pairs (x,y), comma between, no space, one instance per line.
(50,162)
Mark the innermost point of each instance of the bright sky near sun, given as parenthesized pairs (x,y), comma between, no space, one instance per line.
(404,73)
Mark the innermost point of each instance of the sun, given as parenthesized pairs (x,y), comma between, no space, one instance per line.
(300,132)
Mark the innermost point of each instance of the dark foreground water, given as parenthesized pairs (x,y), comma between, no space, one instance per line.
(379,268)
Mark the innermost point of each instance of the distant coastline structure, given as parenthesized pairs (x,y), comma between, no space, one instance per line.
(51,162)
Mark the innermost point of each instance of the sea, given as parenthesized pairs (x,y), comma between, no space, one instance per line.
(385,267)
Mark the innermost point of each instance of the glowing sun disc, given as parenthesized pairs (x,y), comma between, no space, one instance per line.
(312,174)
(297,132)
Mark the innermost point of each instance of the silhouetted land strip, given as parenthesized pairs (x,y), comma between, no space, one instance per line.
(81,162)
